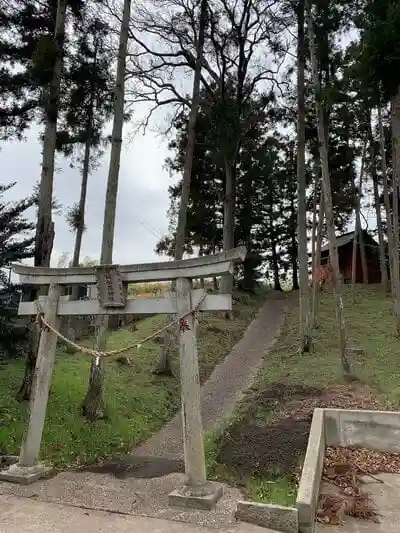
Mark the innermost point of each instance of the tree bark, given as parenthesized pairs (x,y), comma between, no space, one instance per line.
(389,226)
(314,235)
(93,405)
(191,139)
(304,302)
(293,248)
(163,365)
(323,149)
(316,263)
(82,200)
(395,114)
(229,223)
(295,272)
(44,237)
(374,175)
(275,267)
(358,242)
(80,228)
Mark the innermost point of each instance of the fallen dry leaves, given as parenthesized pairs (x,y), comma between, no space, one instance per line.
(344,468)
(354,396)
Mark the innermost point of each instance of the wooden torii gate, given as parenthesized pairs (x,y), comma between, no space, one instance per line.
(112,283)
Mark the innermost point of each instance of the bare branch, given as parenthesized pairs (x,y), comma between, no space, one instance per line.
(240,48)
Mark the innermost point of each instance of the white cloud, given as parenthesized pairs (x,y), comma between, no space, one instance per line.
(142,196)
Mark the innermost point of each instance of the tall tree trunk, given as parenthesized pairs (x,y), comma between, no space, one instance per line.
(295,269)
(358,242)
(395,113)
(170,340)
(202,280)
(316,263)
(305,339)
(191,138)
(374,175)
(44,238)
(229,222)
(93,406)
(323,149)
(314,236)
(80,228)
(363,255)
(389,226)
(275,266)
(215,281)
(293,247)
(82,200)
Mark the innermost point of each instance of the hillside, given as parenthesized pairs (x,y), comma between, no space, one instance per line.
(262,449)
(138,403)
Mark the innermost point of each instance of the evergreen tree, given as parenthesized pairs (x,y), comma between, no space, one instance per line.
(16,244)
(379,22)
(86,107)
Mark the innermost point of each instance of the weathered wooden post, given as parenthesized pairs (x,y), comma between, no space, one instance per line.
(198,492)
(28,470)
(190,387)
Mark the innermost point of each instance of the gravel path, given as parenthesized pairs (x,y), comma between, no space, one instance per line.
(226,384)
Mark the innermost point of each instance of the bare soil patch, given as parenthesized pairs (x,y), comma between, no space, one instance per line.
(253,448)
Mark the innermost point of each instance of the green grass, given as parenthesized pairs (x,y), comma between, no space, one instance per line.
(138,403)
(278,489)
(369,326)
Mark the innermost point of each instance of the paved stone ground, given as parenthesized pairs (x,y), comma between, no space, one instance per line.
(386,495)
(140,484)
(19,515)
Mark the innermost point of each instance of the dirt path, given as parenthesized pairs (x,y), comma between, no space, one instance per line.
(226,384)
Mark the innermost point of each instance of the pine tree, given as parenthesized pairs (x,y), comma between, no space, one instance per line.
(16,244)
(86,107)
(380,28)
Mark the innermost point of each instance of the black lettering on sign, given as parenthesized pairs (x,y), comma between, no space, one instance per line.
(109,286)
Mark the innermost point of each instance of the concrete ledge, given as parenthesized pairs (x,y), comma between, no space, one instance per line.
(25,475)
(276,517)
(376,430)
(308,492)
(203,497)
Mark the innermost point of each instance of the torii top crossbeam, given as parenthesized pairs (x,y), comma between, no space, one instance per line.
(198,267)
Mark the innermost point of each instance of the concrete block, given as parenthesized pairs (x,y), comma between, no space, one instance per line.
(308,492)
(25,475)
(376,430)
(331,427)
(203,497)
(276,517)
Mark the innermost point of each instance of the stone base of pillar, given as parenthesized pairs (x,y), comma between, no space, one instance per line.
(202,497)
(25,475)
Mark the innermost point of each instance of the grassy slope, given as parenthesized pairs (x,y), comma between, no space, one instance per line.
(138,402)
(369,326)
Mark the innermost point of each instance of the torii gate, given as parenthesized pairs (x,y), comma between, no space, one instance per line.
(112,283)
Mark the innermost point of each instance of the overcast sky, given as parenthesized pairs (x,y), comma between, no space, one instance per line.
(142,196)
